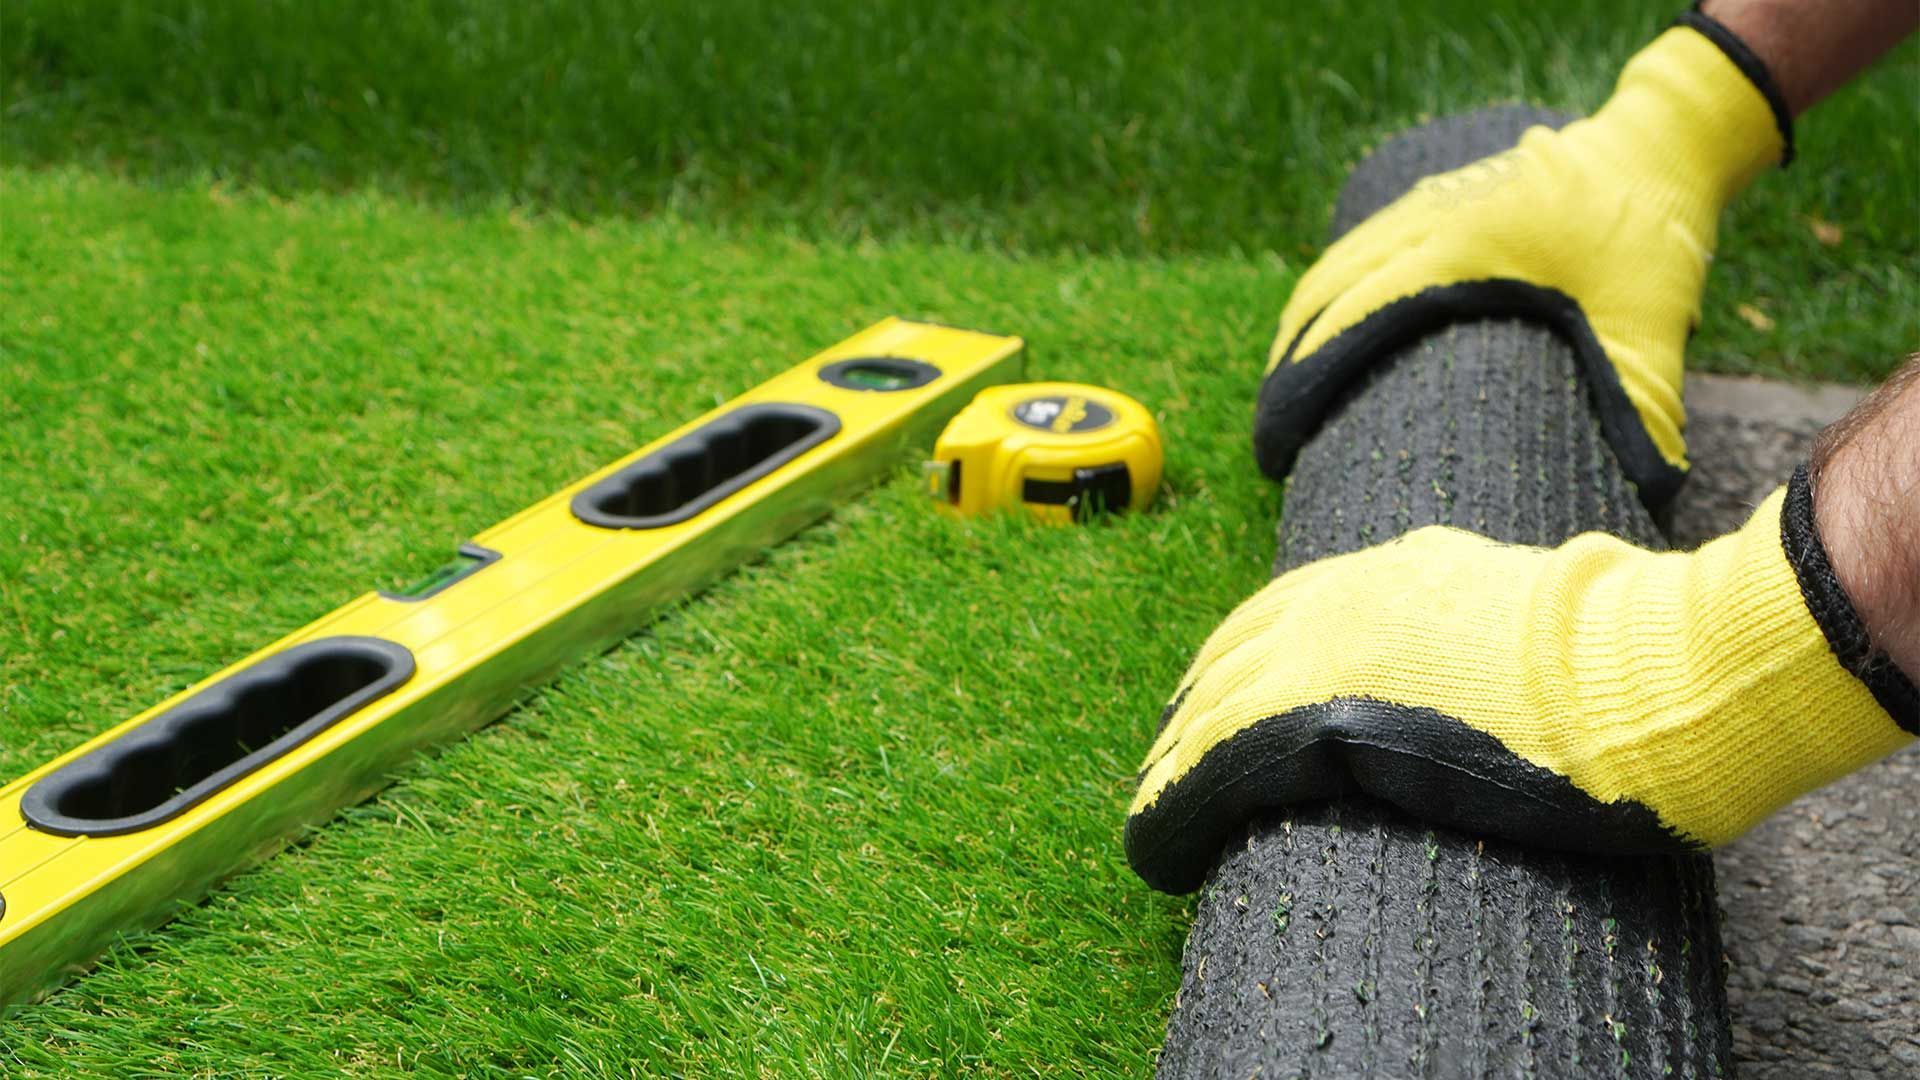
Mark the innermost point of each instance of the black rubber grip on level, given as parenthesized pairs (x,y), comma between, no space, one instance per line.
(226,732)
(1349,940)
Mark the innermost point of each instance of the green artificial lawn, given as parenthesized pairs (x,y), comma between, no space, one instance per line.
(856,810)
(293,297)
(1159,128)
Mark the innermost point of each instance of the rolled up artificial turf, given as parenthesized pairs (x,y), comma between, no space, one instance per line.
(1347,939)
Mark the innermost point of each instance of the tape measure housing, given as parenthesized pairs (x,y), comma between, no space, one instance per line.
(1059,451)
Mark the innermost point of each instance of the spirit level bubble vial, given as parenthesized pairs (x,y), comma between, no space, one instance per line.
(113,835)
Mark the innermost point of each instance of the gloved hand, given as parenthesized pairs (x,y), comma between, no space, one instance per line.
(1595,696)
(1602,229)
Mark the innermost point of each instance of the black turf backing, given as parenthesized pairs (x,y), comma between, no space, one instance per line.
(1348,940)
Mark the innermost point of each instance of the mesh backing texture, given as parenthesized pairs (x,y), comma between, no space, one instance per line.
(1347,939)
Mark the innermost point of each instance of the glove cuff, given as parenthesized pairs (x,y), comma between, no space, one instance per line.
(1700,124)
(1750,65)
(1839,622)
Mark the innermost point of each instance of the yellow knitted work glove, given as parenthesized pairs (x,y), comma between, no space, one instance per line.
(1595,696)
(1602,229)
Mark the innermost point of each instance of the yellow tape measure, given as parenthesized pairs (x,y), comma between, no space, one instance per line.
(1063,451)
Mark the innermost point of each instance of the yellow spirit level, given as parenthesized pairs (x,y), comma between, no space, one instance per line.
(1061,450)
(109,837)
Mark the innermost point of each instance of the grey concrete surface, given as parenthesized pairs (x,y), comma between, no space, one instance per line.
(1822,903)
(1744,436)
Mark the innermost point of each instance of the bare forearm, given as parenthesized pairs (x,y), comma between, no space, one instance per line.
(1866,487)
(1812,47)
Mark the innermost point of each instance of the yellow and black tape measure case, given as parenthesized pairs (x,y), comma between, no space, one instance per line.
(1061,451)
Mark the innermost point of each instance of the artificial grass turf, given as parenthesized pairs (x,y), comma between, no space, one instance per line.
(855,811)
(1148,128)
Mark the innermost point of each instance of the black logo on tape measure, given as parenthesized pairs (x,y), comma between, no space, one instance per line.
(1063,415)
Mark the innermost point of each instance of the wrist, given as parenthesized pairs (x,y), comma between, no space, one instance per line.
(1865,480)
(1812,49)
(1700,122)
(1741,52)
